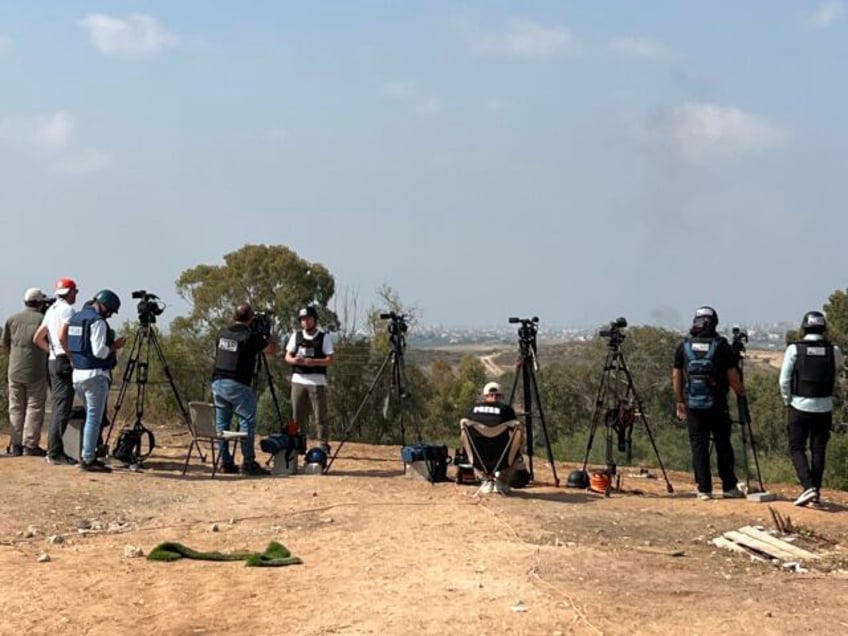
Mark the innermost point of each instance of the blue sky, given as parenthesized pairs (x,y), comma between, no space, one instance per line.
(573,160)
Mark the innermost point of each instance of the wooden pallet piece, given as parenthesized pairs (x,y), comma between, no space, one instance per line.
(721,542)
(759,545)
(794,550)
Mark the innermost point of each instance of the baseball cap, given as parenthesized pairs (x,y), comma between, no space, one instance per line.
(65,285)
(492,387)
(34,295)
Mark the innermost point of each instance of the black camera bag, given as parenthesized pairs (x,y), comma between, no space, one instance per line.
(128,448)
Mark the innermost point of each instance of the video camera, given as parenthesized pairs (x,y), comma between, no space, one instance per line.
(261,324)
(614,332)
(397,326)
(528,329)
(47,303)
(738,341)
(149,306)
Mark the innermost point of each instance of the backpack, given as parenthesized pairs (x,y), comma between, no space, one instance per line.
(436,459)
(128,448)
(700,388)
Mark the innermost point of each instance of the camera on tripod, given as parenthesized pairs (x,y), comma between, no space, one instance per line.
(397,325)
(149,306)
(528,329)
(739,339)
(261,324)
(614,332)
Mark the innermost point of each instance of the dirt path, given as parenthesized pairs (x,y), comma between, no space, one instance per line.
(384,554)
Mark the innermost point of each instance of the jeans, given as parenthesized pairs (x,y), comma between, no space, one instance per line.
(701,426)
(306,398)
(94,391)
(231,396)
(62,390)
(815,427)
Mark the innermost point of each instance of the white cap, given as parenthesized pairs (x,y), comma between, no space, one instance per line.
(34,295)
(491,387)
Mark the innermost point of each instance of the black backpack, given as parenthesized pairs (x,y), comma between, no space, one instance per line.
(700,388)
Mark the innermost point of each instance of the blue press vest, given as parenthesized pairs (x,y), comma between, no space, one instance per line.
(79,341)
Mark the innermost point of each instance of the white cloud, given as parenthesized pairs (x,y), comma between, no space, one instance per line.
(278,134)
(82,163)
(398,90)
(702,131)
(52,132)
(429,107)
(638,47)
(826,14)
(521,38)
(136,36)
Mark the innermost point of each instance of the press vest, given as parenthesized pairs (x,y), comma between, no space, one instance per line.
(79,341)
(814,373)
(233,358)
(309,348)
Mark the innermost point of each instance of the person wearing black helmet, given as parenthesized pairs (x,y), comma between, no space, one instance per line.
(807,379)
(704,369)
(92,346)
(236,351)
(309,352)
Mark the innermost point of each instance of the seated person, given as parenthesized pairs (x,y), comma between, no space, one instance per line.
(491,409)
(492,431)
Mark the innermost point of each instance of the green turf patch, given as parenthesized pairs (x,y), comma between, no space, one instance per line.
(275,555)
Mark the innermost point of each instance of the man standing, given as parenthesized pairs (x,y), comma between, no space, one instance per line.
(704,368)
(807,379)
(310,352)
(52,337)
(93,346)
(236,351)
(27,376)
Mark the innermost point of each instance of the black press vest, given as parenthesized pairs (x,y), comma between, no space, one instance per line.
(814,374)
(309,348)
(233,359)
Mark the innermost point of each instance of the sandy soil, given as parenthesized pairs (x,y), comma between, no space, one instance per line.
(385,554)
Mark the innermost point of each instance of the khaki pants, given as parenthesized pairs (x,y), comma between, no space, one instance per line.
(26,411)
(311,400)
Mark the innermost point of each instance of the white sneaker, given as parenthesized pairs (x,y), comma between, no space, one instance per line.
(487,488)
(705,496)
(806,497)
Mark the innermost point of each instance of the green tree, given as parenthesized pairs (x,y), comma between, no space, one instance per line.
(271,278)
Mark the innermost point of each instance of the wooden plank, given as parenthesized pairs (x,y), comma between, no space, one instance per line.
(721,542)
(759,545)
(797,552)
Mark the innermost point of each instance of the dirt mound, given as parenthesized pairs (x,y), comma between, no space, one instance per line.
(384,554)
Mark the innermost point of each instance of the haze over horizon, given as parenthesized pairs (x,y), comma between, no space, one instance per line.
(576,161)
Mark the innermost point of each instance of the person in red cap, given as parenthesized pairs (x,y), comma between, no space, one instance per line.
(27,376)
(52,337)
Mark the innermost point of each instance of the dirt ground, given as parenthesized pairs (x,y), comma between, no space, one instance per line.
(385,554)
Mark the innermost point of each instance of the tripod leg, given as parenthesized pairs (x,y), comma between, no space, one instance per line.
(262,361)
(544,426)
(183,410)
(129,371)
(756,458)
(355,419)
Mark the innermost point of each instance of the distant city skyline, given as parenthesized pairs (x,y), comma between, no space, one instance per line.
(579,161)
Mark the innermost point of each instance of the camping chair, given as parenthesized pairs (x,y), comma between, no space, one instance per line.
(493,450)
(202,416)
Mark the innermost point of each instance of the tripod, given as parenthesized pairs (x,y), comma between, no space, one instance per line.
(619,405)
(747,434)
(525,368)
(136,370)
(398,387)
(262,367)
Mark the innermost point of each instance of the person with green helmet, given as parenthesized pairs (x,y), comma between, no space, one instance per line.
(92,346)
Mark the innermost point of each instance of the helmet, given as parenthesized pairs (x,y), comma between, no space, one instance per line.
(317,456)
(577,479)
(307,312)
(705,320)
(65,285)
(109,300)
(813,322)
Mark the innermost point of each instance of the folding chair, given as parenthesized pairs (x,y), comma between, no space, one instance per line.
(493,450)
(202,416)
